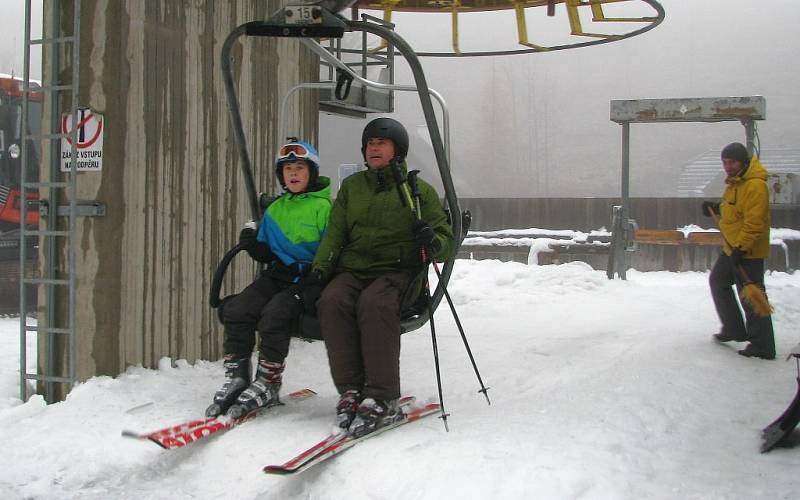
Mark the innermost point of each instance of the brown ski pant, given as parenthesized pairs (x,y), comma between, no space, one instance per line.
(360,322)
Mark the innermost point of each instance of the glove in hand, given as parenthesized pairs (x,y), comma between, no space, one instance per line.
(314,278)
(737,256)
(710,206)
(425,236)
(247,237)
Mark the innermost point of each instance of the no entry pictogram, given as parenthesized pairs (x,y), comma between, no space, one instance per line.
(89,132)
(90,127)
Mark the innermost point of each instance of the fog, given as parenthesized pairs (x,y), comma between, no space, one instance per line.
(12,48)
(537,125)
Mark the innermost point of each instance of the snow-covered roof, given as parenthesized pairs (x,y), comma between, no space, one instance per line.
(698,173)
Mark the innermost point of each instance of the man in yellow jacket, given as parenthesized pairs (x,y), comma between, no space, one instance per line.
(744,222)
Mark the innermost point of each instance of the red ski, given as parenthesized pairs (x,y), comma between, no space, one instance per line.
(337,443)
(180,435)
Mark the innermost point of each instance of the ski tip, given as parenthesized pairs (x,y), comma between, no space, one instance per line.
(276,470)
(405,401)
(302,393)
(131,434)
(162,445)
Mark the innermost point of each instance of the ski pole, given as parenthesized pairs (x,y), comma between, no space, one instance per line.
(444,414)
(405,197)
(412,182)
(484,389)
(402,187)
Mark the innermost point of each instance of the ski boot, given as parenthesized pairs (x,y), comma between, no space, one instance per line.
(373,414)
(346,410)
(237,375)
(263,392)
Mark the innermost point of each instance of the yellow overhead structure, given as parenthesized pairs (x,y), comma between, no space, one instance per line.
(577,13)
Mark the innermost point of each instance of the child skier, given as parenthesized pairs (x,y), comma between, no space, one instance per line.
(286,242)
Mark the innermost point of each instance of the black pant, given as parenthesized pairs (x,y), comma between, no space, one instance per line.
(754,328)
(265,305)
(360,321)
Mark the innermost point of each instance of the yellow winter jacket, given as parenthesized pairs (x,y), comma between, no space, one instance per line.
(744,212)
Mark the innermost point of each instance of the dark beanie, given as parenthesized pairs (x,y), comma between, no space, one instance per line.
(736,151)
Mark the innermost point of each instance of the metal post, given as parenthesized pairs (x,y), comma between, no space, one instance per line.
(50,244)
(23,210)
(73,195)
(621,257)
(750,133)
(226,60)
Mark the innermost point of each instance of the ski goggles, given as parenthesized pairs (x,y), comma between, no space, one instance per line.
(296,150)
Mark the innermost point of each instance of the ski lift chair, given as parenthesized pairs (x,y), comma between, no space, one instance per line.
(324,24)
(414,304)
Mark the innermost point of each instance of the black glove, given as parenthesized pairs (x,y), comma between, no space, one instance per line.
(308,291)
(425,236)
(296,291)
(737,255)
(313,278)
(257,250)
(261,252)
(311,294)
(247,237)
(710,206)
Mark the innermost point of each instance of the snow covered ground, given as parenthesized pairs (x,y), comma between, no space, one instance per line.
(600,389)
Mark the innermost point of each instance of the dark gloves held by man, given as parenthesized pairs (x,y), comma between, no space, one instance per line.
(737,256)
(425,236)
(710,206)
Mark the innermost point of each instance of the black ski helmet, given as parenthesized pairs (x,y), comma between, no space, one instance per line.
(386,128)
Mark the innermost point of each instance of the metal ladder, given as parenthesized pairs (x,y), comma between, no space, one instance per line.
(57,223)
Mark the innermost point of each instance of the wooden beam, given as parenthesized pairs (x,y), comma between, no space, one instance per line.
(706,238)
(659,236)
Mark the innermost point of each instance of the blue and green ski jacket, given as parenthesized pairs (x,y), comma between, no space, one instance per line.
(293,225)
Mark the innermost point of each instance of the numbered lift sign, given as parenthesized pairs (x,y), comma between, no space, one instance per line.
(302,14)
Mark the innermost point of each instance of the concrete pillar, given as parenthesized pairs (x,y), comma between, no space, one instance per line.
(171,184)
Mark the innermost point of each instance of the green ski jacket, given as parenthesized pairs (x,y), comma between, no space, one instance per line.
(370,228)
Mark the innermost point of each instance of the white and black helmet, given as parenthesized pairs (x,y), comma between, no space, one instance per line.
(298,150)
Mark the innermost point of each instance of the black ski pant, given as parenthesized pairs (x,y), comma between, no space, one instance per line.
(360,322)
(266,306)
(753,328)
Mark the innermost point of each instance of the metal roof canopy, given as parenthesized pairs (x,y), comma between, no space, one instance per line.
(745,109)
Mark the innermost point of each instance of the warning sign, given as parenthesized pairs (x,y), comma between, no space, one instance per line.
(90,140)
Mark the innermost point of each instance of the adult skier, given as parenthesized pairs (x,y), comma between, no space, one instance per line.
(286,241)
(370,255)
